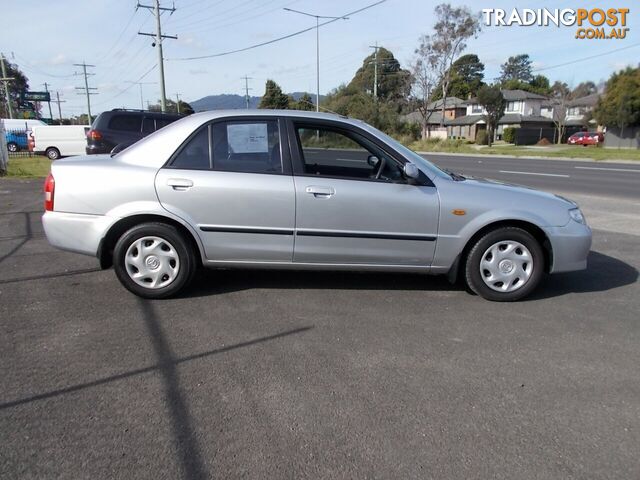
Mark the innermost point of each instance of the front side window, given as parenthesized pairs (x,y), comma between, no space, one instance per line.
(335,153)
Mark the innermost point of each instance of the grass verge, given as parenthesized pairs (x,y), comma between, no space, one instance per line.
(552,151)
(30,167)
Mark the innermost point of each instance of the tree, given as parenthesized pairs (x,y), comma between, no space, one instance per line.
(490,97)
(393,82)
(19,84)
(304,103)
(453,28)
(185,108)
(424,78)
(583,89)
(517,68)
(620,105)
(273,97)
(561,95)
(466,78)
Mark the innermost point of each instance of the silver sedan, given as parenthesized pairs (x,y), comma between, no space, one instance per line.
(288,189)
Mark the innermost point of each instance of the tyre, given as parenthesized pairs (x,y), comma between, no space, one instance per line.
(504,265)
(52,153)
(154,260)
(13,147)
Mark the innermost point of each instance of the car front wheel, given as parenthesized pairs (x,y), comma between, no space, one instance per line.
(154,260)
(504,265)
(13,147)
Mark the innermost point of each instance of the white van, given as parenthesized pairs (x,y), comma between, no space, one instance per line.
(17,124)
(57,141)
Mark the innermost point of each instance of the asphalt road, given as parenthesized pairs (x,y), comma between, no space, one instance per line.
(317,374)
(606,179)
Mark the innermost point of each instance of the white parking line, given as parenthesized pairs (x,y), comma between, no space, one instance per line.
(535,173)
(610,169)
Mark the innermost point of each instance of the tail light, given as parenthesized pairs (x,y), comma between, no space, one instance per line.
(49,190)
(94,135)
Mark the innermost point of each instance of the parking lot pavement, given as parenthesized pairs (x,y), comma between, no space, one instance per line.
(318,374)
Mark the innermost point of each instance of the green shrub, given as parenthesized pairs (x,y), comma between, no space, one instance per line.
(509,134)
(482,137)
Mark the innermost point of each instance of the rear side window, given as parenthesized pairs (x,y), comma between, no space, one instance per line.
(126,123)
(246,146)
(234,146)
(162,122)
(148,125)
(195,154)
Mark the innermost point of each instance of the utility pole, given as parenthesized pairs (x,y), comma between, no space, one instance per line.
(46,89)
(4,79)
(317,17)
(87,89)
(178,102)
(246,90)
(58,101)
(141,84)
(375,70)
(157,11)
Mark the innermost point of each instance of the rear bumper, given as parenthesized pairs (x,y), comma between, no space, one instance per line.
(570,245)
(75,232)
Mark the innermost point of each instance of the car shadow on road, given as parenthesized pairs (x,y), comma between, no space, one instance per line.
(216,282)
(603,273)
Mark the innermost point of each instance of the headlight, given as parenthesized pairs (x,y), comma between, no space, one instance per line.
(577,216)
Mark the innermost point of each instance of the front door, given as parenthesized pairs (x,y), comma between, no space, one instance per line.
(230,182)
(353,203)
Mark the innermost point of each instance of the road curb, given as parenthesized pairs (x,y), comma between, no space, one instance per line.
(528,157)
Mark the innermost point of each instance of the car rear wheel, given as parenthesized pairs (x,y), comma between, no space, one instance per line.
(13,147)
(504,265)
(154,260)
(53,153)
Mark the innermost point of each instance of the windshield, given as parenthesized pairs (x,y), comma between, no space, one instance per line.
(421,162)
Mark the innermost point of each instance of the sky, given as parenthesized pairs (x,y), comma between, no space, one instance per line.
(46,37)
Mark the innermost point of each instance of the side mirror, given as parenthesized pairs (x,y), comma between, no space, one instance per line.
(411,171)
(373,161)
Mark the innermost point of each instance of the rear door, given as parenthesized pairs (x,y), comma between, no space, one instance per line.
(353,203)
(232,182)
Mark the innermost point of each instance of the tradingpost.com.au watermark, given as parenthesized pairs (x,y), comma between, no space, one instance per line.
(594,23)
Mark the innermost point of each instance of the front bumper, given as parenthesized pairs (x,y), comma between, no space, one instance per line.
(75,232)
(570,246)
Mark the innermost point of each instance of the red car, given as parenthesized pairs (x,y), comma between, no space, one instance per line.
(586,138)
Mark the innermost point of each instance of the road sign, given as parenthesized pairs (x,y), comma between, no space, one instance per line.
(36,96)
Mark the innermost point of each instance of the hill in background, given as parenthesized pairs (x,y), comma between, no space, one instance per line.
(232,101)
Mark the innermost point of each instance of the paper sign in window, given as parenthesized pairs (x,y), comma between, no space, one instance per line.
(248,138)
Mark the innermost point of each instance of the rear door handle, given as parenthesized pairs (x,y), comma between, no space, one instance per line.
(320,192)
(180,183)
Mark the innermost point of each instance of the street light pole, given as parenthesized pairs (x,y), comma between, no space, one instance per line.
(317,17)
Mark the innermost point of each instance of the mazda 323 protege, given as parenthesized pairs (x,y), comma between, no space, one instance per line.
(288,189)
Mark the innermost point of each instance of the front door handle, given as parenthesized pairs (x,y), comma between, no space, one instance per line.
(180,183)
(320,192)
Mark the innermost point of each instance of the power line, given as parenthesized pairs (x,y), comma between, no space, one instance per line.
(157,11)
(571,62)
(269,42)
